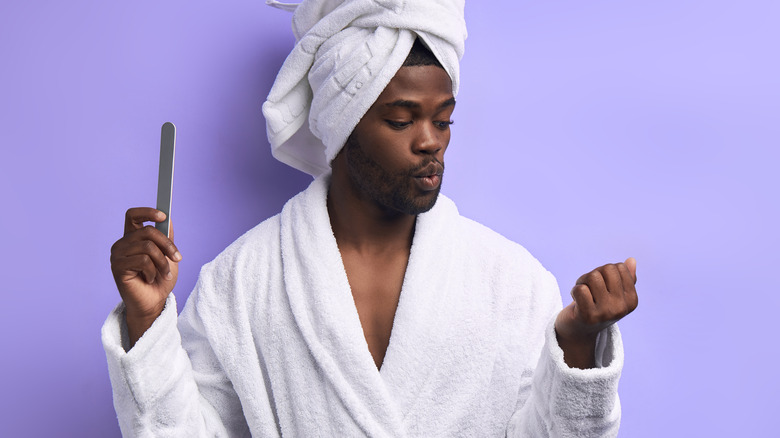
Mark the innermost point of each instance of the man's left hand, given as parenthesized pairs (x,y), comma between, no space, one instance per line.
(601,297)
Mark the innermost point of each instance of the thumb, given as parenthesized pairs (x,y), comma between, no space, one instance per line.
(631,265)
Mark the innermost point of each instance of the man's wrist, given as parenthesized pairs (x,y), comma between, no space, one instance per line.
(138,324)
(578,352)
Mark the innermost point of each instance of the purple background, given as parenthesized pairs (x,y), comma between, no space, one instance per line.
(587,131)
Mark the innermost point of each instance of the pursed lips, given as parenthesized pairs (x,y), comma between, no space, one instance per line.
(429,178)
(431,170)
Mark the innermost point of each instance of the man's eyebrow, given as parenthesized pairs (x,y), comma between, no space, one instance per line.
(413,104)
(404,104)
(448,102)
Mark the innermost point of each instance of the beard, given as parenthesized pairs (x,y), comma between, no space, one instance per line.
(391,191)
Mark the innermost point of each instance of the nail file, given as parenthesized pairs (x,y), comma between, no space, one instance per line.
(165,177)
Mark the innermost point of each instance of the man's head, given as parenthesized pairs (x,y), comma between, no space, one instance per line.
(395,155)
(346,54)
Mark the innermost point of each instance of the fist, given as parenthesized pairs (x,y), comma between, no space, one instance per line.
(145,264)
(601,297)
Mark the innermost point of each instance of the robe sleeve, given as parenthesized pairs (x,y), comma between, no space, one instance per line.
(156,391)
(570,402)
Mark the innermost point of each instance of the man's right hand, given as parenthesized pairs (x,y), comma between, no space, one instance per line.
(145,267)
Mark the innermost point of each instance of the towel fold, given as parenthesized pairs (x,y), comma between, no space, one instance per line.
(347,51)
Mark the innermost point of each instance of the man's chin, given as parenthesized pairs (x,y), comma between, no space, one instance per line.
(426,204)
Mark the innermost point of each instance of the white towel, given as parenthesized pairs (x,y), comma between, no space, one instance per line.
(347,52)
(271,343)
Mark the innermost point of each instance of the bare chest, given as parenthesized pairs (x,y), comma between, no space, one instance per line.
(376,288)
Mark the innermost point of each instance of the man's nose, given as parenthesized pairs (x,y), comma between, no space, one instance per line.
(430,140)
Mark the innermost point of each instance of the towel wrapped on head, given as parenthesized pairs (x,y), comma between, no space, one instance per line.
(347,51)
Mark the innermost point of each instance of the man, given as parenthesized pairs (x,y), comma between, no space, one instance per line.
(368,307)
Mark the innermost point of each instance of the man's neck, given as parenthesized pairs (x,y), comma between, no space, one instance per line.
(361,225)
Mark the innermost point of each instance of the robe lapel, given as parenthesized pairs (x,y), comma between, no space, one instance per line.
(324,311)
(440,334)
(441,348)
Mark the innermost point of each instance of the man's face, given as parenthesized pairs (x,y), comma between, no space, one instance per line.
(395,155)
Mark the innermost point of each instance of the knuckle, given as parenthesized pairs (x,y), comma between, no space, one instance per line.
(592,276)
(148,246)
(114,256)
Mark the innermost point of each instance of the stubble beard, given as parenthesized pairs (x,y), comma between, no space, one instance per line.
(390,191)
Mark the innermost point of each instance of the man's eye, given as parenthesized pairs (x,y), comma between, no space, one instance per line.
(444,125)
(398,125)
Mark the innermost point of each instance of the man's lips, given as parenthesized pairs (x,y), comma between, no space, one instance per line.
(432,169)
(429,178)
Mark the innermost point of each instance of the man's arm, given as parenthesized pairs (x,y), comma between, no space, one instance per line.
(160,388)
(574,389)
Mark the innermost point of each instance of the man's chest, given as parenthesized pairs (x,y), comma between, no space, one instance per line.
(376,284)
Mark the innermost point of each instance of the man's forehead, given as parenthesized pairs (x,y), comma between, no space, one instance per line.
(415,85)
(412,104)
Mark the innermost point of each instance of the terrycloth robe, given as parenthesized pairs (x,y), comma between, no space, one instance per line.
(270,343)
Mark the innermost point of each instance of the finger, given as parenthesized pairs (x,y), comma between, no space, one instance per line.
(156,256)
(627,278)
(135,218)
(596,285)
(154,235)
(631,297)
(583,301)
(631,265)
(612,279)
(139,265)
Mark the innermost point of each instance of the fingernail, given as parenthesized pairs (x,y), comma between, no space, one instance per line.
(169,276)
(177,256)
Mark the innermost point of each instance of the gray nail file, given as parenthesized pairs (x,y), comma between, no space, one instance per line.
(165,177)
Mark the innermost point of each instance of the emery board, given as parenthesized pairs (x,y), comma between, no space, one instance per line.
(165,176)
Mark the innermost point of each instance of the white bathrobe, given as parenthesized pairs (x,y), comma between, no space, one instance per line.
(270,343)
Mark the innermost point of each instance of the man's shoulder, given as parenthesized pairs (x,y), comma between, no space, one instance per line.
(257,244)
(502,262)
(492,244)
(232,282)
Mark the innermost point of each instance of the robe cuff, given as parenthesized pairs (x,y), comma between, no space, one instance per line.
(152,366)
(574,393)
